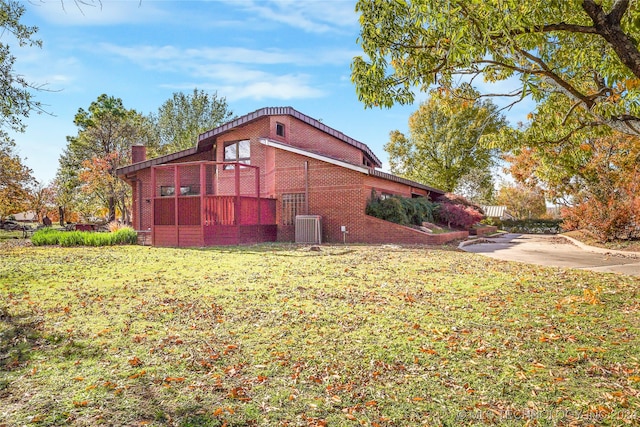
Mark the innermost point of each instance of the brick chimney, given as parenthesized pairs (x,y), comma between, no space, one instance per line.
(138,153)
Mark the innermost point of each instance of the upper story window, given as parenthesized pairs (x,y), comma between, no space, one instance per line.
(280,129)
(237,151)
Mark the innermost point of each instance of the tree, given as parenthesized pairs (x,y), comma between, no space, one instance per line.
(444,142)
(100,182)
(183,117)
(16,101)
(523,202)
(578,56)
(15,179)
(106,132)
(41,200)
(597,180)
(477,185)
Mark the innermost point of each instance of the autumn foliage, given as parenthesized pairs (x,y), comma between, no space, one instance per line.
(460,216)
(616,216)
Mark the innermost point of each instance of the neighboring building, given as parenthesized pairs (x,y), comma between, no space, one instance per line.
(28,216)
(247,180)
(496,212)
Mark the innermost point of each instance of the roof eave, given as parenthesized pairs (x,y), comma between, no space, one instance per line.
(126,170)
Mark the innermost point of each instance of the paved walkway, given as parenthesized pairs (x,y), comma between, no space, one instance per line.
(559,251)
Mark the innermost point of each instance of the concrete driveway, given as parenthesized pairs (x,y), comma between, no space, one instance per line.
(555,251)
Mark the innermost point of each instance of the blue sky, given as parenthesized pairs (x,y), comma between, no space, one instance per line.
(255,53)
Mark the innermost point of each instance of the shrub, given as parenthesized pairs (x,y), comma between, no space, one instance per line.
(615,218)
(455,199)
(389,209)
(420,210)
(114,226)
(45,236)
(458,215)
(531,226)
(402,210)
(71,238)
(126,235)
(48,236)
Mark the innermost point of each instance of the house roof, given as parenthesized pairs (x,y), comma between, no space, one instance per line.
(494,211)
(289,111)
(125,170)
(26,216)
(204,140)
(395,178)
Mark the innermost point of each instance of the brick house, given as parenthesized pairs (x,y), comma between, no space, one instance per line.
(247,180)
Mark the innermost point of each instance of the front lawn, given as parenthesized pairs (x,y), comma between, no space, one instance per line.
(279,335)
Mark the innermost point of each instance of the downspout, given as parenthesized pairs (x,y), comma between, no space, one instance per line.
(306,188)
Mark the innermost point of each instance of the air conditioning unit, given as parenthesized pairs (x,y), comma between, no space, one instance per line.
(309,229)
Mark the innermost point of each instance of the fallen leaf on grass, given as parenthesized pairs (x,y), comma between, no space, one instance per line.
(135,361)
(137,375)
(174,379)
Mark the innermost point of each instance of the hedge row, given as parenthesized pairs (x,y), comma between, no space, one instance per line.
(530,226)
(49,236)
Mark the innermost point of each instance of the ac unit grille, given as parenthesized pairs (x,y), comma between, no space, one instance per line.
(309,229)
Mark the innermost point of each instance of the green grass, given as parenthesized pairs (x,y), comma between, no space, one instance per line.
(8,235)
(277,335)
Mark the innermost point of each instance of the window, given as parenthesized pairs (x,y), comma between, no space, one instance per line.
(237,151)
(166,190)
(292,205)
(169,190)
(280,129)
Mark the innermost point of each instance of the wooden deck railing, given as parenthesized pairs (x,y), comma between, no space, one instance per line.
(215,210)
(219,210)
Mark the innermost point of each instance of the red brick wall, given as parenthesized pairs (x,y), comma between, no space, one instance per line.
(380,231)
(142,218)
(300,134)
(336,193)
(340,196)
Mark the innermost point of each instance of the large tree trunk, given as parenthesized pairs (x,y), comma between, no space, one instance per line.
(112,208)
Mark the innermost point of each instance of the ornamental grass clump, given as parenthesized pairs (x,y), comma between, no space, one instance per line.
(125,236)
(47,236)
(71,238)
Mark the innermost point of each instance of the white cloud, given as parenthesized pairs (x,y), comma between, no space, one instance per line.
(238,73)
(154,56)
(257,86)
(313,16)
(275,87)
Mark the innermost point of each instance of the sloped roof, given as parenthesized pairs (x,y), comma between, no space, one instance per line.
(204,138)
(156,161)
(495,211)
(289,111)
